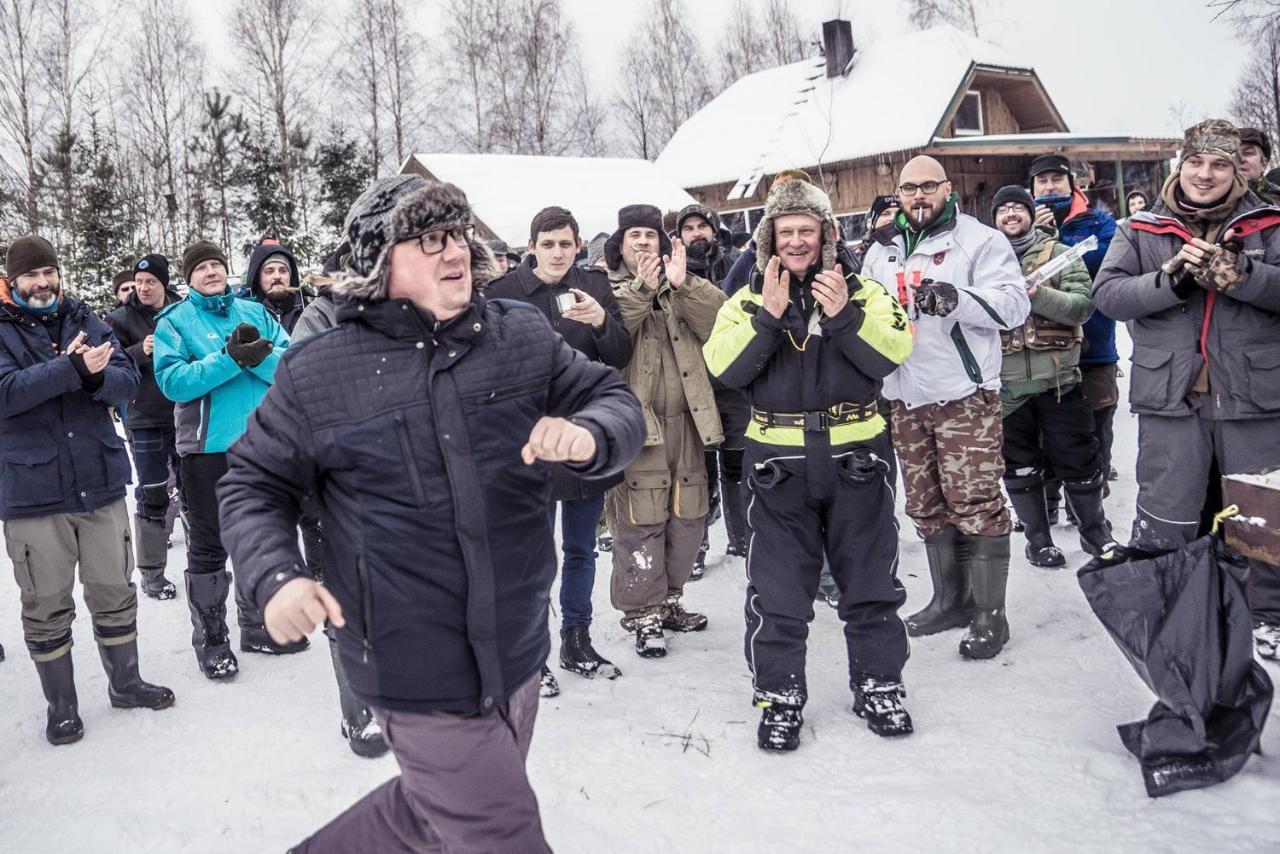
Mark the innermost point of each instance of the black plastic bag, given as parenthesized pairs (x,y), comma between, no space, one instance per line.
(1182,620)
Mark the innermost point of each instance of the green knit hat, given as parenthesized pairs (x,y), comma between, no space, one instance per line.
(199,252)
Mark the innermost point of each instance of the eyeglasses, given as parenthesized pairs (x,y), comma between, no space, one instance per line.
(928,188)
(1011,207)
(433,242)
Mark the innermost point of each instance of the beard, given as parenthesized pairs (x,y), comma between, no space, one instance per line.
(280,295)
(43,299)
(920,216)
(700,248)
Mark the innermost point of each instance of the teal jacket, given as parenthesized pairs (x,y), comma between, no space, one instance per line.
(214,395)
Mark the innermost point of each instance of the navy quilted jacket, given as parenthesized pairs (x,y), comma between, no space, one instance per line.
(438,545)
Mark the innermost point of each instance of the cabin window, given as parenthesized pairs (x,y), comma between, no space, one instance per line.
(968,121)
(742,221)
(853,226)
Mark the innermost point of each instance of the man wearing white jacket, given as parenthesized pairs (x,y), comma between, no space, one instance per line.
(962,286)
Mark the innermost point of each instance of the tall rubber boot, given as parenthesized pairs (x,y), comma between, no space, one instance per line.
(57,680)
(988,576)
(359,726)
(733,501)
(254,636)
(207,601)
(125,686)
(1095,530)
(951,606)
(153,556)
(1028,498)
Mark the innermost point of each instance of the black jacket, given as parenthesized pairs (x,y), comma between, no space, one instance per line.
(438,545)
(59,451)
(716,266)
(610,344)
(133,322)
(288,313)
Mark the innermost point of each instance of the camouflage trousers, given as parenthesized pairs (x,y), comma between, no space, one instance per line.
(952,464)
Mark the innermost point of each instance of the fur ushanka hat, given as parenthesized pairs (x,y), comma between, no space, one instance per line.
(635,216)
(396,209)
(797,197)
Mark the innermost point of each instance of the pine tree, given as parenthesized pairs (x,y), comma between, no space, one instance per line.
(344,167)
(100,225)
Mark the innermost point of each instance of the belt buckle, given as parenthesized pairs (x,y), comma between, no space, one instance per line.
(817,422)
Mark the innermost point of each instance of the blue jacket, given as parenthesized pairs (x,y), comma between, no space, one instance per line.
(437,544)
(214,395)
(58,445)
(1099,330)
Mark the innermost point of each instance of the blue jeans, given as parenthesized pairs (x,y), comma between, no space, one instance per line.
(578,520)
(154,456)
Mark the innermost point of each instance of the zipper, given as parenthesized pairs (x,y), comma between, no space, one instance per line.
(410,464)
(366,605)
(496,396)
(971,366)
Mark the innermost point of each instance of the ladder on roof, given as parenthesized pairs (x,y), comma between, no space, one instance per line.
(749,182)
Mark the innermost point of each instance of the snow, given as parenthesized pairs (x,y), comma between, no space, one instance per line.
(506,190)
(1017,754)
(794,116)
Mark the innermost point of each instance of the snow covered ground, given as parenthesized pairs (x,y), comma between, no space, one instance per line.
(1019,754)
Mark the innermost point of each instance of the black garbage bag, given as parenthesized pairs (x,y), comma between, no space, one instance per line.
(1182,620)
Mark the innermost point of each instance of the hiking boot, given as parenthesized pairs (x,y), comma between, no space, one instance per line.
(779,727)
(879,702)
(577,655)
(736,548)
(547,685)
(650,642)
(699,562)
(676,619)
(951,606)
(988,577)
(57,680)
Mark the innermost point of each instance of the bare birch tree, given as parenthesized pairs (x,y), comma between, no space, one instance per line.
(23,107)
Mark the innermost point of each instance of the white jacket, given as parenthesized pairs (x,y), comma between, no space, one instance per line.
(955,355)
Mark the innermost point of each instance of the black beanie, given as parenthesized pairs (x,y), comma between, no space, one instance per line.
(879,206)
(1013,193)
(1051,163)
(199,252)
(27,253)
(155,264)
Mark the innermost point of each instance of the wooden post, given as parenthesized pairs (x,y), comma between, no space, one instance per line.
(1121,203)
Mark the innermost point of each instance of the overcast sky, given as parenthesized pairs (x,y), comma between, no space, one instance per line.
(1140,66)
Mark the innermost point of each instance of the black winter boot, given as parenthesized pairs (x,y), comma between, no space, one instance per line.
(124,685)
(359,726)
(207,601)
(779,726)
(254,636)
(952,603)
(879,701)
(153,556)
(1095,531)
(1,652)
(650,642)
(1028,498)
(577,655)
(57,679)
(735,518)
(828,590)
(548,687)
(988,576)
(1053,499)
(676,619)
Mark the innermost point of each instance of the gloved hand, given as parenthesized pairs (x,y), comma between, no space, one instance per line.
(936,298)
(247,346)
(1223,272)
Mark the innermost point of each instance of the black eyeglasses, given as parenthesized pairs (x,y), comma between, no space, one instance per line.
(433,242)
(928,188)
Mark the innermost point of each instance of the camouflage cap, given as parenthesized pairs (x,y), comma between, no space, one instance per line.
(1212,136)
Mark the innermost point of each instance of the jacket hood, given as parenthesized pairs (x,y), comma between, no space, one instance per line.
(261,253)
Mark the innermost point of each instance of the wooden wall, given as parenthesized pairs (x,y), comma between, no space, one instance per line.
(997,118)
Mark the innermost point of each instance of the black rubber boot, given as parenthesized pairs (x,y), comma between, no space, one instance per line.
(254,636)
(153,556)
(779,727)
(952,604)
(57,680)
(577,655)
(207,601)
(359,726)
(125,686)
(735,518)
(988,577)
(1028,498)
(1053,499)
(828,590)
(1095,532)
(879,702)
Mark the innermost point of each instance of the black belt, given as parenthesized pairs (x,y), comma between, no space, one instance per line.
(817,422)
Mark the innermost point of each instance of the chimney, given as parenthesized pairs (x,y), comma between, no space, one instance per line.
(837,46)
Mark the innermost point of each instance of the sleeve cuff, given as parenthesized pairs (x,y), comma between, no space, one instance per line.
(271,583)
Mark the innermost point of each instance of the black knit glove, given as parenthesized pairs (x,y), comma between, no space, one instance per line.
(89,381)
(247,346)
(936,298)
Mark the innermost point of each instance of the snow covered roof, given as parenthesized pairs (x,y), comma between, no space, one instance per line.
(893,99)
(506,190)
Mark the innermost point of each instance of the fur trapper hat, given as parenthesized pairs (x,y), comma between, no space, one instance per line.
(1212,136)
(635,216)
(797,197)
(391,211)
(711,217)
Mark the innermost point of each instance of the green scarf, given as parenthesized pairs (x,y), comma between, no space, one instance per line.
(912,237)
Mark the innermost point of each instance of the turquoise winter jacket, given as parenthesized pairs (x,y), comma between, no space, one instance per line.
(214,395)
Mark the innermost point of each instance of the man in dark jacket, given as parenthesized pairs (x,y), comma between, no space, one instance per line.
(1197,278)
(410,421)
(63,481)
(580,305)
(810,343)
(149,421)
(1255,157)
(273,280)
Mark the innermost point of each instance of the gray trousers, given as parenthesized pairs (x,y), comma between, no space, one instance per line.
(1174,458)
(462,787)
(45,552)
